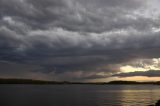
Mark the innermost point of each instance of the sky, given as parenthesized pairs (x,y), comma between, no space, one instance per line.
(80,40)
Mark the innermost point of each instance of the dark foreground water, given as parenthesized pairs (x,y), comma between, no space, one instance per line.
(78,95)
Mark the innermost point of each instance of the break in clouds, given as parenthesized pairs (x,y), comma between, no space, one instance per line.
(77,39)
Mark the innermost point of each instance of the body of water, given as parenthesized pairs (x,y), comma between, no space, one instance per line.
(78,95)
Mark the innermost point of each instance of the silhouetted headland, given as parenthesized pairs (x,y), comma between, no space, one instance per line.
(132,82)
(31,81)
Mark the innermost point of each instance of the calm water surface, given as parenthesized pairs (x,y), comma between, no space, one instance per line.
(78,95)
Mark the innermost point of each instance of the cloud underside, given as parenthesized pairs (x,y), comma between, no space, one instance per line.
(150,73)
(76,39)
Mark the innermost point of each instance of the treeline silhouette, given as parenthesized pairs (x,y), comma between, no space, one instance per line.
(132,82)
(31,81)
(28,81)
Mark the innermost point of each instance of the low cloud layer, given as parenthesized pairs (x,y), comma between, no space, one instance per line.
(70,39)
(150,73)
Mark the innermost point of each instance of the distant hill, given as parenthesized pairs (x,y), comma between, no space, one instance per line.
(28,81)
(31,81)
(131,82)
(123,82)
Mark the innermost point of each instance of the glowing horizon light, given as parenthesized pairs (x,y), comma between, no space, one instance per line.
(129,68)
(140,78)
(142,65)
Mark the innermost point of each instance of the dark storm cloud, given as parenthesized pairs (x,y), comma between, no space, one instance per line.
(150,73)
(76,15)
(83,36)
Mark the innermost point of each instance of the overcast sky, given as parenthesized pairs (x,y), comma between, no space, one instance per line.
(79,40)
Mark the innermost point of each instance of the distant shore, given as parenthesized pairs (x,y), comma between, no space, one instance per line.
(31,81)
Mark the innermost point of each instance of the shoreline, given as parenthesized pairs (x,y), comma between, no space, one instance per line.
(42,82)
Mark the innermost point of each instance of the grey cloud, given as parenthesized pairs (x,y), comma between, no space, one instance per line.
(75,15)
(11,69)
(150,73)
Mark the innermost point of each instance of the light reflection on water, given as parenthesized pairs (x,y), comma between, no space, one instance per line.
(138,97)
(78,95)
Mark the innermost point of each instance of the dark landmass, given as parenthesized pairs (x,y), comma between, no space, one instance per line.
(132,82)
(30,81)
